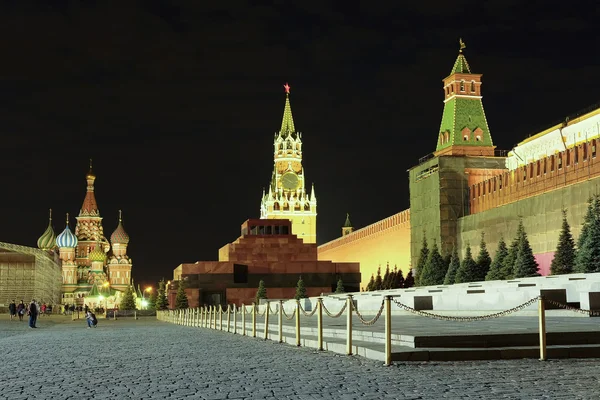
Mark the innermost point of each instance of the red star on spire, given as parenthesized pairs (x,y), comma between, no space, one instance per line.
(287,88)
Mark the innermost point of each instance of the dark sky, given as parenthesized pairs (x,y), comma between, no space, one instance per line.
(177,103)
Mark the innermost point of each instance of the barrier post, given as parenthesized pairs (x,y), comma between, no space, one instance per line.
(297,322)
(220,317)
(349,325)
(253,319)
(280,321)
(267,321)
(215,317)
(542,318)
(115,314)
(388,330)
(234,319)
(320,323)
(228,317)
(135,314)
(243,320)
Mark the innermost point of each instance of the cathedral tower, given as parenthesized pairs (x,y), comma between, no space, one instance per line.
(287,197)
(67,243)
(119,264)
(464,129)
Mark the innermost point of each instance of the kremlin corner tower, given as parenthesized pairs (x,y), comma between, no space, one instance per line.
(94,271)
(287,197)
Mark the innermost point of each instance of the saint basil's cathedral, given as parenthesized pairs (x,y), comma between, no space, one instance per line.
(95,271)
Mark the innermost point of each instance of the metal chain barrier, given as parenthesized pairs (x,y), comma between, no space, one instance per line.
(336,315)
(375,318)
(568,307)
(285,314)
(308,314)
(273,312)
(467,319)
(258,313)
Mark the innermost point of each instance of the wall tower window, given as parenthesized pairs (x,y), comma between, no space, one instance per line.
(462,86)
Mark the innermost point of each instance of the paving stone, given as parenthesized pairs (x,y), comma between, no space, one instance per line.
(129,359)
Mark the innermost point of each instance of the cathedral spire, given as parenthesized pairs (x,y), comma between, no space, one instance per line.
(90,207)
(287,124)
(464,129)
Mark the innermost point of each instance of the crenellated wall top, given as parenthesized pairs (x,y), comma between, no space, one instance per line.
(400,219)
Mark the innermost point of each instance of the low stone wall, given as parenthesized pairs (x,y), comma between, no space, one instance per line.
(479,298)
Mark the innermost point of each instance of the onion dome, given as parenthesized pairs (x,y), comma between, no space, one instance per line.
(67,238)
(97,254)
(48,240)
(119,235)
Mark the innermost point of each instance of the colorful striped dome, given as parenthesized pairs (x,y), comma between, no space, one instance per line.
(119,235)
(66,239)
(48,240)
(97,254)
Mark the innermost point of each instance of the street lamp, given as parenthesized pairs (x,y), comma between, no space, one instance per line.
(149,290)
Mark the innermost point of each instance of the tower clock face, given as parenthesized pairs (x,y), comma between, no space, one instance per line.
(289,181)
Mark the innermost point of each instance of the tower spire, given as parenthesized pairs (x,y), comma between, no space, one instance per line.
(287,124)
(464,129)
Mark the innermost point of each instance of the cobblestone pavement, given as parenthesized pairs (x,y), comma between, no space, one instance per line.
(149,359)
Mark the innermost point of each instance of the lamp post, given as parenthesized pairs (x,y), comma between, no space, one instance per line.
(106,286)
(149,290)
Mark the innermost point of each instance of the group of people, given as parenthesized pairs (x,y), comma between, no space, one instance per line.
(33,310)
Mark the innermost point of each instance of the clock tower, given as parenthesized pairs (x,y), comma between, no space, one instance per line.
(287,197)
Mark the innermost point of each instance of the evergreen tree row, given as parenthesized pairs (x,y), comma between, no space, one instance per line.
(392,279)
(514,262)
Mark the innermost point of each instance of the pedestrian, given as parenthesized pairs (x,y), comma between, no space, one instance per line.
(12,308)
(32,311)
(44,308)
(90,317)
(21,310)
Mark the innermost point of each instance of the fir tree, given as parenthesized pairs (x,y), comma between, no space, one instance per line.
(424,253)
(340,286)
(152,300)
(588,255)
(587,220)
(386,277)
(507,269)
(161,298)
(564,257)
(410,280)
(467,269)
(433,273)
(371,284)
(483,261)
(181,300)
(392,280)
(398,278)
(452,268)
(495,272)
(300,290)
(128,301)
(378,280)
(525,264)
(261,293)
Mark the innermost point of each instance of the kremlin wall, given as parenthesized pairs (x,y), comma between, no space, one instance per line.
(467,187)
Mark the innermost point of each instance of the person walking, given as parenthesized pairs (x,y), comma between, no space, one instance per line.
(12,309)
(32,311)
(21,310)
(89,316)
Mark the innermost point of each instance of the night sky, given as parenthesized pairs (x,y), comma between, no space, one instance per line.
(177,103)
